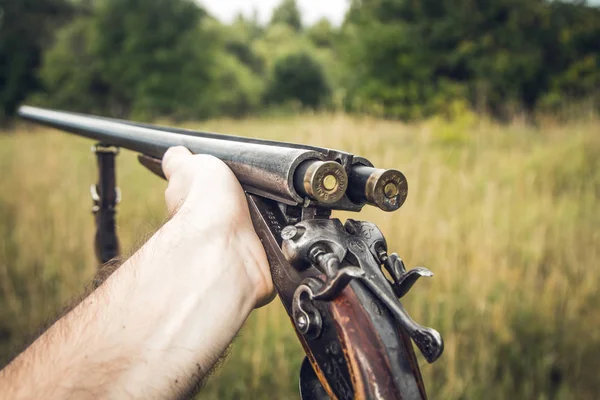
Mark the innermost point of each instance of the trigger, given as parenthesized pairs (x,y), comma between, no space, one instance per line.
(406,281)
(403,279)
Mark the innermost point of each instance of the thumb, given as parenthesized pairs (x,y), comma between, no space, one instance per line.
(173,158)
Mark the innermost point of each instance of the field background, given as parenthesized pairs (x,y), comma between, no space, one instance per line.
(506,216)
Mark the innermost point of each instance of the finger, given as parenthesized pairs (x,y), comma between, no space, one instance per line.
(173,158)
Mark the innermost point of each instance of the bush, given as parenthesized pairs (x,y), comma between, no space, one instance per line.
(298,76)
(25,29)
(237,90)
(134,59)
(287,13)
(70,73)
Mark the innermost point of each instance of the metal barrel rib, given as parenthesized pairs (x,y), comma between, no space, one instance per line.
(262,169)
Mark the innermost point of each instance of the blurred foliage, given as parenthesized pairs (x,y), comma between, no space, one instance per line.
(298,76)
(287,13)
(138,62)
(322,33)
(239,88)
(25,27)
(407,59)
(502,56)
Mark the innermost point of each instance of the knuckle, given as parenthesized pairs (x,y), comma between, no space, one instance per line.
(171,152)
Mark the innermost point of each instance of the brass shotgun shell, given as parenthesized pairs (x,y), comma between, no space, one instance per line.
(386,189)
(324,181)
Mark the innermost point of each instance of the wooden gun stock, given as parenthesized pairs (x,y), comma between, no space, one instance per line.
(378,355)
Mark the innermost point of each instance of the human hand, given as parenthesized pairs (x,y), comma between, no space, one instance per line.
(205,194)
(161,321)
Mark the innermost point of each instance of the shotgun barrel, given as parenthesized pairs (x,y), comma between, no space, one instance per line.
(292,174)
(262,169)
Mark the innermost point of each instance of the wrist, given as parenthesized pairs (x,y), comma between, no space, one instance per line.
(230,238)
(199,251)
(197,296)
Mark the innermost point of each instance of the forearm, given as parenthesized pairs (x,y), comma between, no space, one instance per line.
(153,329)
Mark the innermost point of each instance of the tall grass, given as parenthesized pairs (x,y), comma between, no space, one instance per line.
(507,218)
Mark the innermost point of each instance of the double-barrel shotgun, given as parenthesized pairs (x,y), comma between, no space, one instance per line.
(329,275)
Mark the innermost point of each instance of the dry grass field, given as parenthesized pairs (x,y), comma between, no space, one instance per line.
(507,217)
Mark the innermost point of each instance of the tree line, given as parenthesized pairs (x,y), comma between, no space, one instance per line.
(404,59)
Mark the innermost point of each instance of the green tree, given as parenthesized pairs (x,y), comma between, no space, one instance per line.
(413,58)
(237,39)
(321,33)
(154,55)
(134,58)
(390,70)
(287,13)
(71,73)
(236,90)
(574,58)
(298,76)
(25,28)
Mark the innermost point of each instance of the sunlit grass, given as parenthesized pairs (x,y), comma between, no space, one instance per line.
(506,217)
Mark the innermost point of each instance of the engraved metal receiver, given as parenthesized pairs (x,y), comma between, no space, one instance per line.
(347,314)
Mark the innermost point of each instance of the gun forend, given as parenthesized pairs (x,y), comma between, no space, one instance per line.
(292,174)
